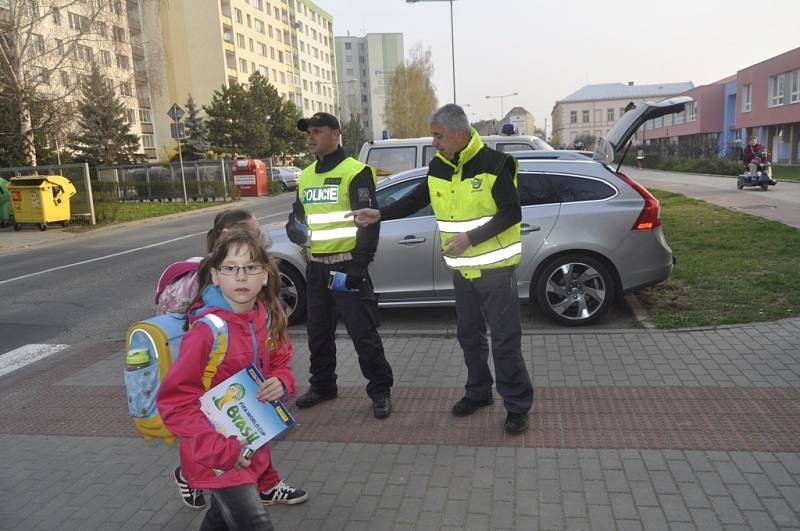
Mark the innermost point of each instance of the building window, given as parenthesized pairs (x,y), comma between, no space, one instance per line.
(64,79)
(147,141)
(125,89)
(585,117)
(260,26)
(259,5)
(105,57)
(609,115)
(794,89)
(119,34)
(691,111)
(262,49)
(747,93)
(264,71)
(37,43)
(573,117)
(237,14)
(243,65)
(56,16)
(85,53)
(116,7)
(240,40)
(122,62)
(348,46)
(777,90)
(145,116)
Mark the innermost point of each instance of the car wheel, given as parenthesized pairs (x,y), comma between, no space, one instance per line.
(574,290)
(293,293)
(764,187)
(282,186)
(739,184)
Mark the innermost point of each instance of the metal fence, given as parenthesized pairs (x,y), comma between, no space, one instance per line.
(202,180)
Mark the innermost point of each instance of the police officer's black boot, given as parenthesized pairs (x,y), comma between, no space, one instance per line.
(314,397)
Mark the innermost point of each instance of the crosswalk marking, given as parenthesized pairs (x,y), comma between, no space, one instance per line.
(25,355)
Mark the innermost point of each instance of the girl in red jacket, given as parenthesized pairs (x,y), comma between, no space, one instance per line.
(239,284)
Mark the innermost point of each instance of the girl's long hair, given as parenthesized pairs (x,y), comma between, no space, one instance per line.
(226,220)
(270,294)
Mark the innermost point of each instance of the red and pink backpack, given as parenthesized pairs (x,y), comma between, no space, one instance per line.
(177,286)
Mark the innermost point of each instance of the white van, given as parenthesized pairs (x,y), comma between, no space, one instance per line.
(400,154)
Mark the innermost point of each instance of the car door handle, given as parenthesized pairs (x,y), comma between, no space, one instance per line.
(410,239)
(525,228)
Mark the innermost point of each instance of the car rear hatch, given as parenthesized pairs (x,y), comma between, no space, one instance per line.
(619,135)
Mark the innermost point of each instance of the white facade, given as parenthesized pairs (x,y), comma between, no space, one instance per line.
(364,68)
(594,109)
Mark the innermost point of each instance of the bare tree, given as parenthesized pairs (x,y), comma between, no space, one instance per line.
(411,97)
(34,51)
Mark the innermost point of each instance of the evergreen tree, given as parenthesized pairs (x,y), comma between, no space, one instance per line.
(353,135)
(265,108)
(195,143)
(102,134)
(227,114)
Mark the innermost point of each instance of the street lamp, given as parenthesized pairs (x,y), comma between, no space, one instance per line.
(501,96)
(452,39)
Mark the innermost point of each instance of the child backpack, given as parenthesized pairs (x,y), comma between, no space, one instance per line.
(177,286)
(152,346)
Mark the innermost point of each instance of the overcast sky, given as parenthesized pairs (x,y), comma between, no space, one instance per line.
(548,49)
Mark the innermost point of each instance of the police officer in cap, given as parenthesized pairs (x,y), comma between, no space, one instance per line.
(337,281)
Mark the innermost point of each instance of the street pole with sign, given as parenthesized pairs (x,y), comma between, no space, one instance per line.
(175,112)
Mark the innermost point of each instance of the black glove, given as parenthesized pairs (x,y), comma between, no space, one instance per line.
(356,275)
(297,232)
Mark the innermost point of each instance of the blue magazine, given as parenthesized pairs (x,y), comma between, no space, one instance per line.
(232,407)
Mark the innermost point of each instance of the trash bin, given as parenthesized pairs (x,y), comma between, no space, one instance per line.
(40,199)
(5,203)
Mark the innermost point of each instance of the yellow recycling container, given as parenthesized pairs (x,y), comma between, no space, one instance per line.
(40,199)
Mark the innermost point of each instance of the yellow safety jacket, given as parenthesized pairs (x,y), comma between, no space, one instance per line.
(326,199)
(465,202)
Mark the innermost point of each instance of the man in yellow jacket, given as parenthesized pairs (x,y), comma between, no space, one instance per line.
(473,192)
(337,281)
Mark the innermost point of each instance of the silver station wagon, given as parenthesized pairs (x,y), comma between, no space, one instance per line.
(589,234)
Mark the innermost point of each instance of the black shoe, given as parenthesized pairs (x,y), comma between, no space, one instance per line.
(192,498)
(314,397)
(467,406)
(283,494)
(516,422)
(382,407)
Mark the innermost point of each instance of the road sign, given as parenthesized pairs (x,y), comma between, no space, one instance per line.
(176,129)
(175,112)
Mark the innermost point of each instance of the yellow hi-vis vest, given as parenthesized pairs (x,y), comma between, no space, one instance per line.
(464,203)
(326,199)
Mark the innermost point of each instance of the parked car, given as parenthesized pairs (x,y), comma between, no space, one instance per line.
(400,154)
(287,177)
(589,233)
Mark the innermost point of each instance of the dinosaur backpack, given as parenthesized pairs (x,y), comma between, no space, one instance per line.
(152,346)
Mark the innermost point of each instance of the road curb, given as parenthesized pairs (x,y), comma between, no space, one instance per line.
(639,313)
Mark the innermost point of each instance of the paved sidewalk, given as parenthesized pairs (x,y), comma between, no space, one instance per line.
(694,429)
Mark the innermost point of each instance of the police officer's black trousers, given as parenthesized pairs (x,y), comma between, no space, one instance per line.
(359,311)
(492,298)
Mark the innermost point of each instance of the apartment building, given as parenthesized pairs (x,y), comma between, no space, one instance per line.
(70,36)
(762,99)
(364,67)
(594,109)
(198,46)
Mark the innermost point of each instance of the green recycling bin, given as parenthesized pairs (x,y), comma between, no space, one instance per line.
(5,203)
(40,199)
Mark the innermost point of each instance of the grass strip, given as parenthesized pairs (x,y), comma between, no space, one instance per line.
(731,267)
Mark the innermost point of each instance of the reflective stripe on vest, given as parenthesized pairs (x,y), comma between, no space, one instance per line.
(333,234)
(485,259)
(462,226)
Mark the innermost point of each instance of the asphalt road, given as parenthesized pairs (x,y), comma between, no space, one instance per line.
(781,202)
(90,288)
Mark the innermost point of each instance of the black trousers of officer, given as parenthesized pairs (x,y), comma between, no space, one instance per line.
(359,311)
(493,298)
